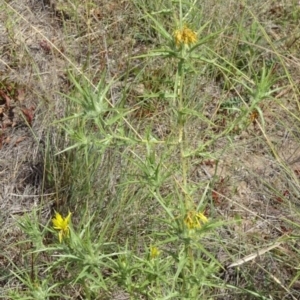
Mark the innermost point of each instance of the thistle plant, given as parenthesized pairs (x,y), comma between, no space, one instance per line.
(190,223)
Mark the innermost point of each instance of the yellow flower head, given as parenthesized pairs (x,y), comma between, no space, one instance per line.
(61,224)
(194,219)
(185,36)
(154,252)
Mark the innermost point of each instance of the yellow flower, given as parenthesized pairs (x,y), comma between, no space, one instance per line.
(185,36)
(194,219)
(61,224)
(154,252)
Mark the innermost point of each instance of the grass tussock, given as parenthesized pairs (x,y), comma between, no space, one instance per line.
(149,150)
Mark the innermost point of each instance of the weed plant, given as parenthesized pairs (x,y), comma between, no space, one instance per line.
(131,217)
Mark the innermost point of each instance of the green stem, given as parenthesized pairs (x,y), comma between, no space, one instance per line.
(181,125)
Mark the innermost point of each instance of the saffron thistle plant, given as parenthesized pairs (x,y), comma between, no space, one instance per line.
(189,223)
